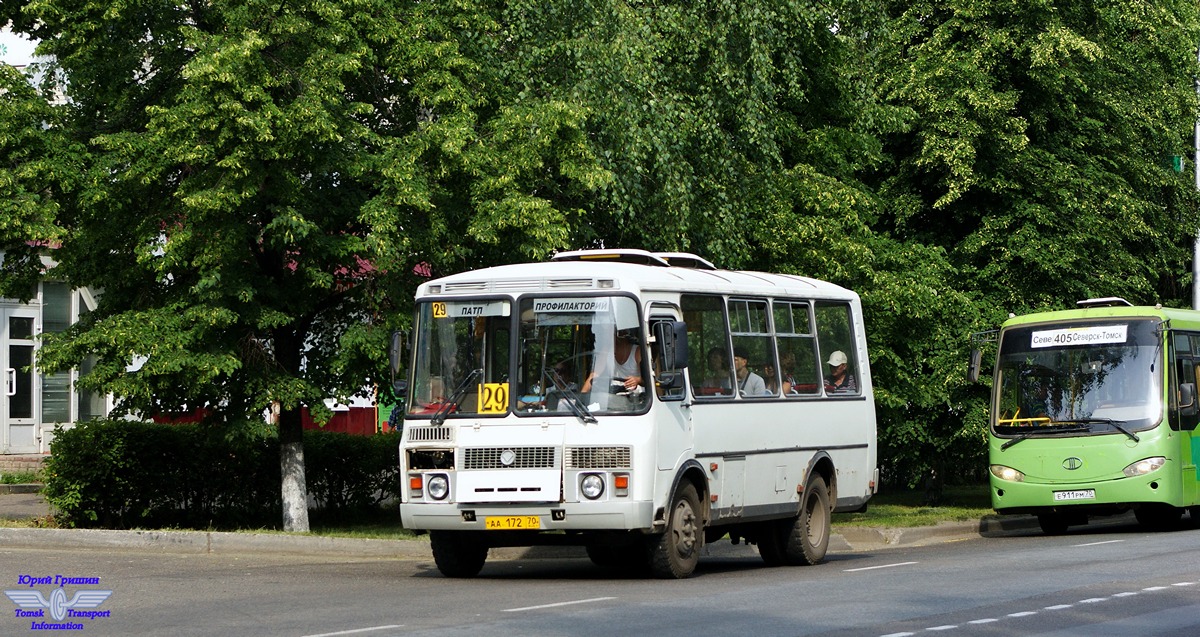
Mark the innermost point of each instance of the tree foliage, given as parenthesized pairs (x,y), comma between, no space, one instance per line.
(252,184)
(1037,164)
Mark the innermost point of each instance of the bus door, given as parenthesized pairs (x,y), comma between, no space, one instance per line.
(1185,410)
(672,420)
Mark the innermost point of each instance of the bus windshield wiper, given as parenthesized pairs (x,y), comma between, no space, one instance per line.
(460,392)
(571,398)
(1066,426)
(1107,421)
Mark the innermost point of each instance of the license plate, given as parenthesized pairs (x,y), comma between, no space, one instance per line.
(1085,494)
(512,522)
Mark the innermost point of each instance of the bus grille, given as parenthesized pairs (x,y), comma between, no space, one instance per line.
(523,458)
(598,458)
(430,434)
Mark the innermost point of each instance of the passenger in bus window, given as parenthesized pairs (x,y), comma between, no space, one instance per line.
(563,385)
(716,383)
(839,380)
(780,381)
(749,383)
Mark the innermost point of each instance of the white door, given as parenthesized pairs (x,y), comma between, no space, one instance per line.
(18,402)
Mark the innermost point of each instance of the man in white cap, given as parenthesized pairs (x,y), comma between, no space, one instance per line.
(839,381)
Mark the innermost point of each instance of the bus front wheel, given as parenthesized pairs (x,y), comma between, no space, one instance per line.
(458,553)
(674,554)
(1158,517)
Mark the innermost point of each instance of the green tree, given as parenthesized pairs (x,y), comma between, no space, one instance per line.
(35,165)
(1034,163)
(254,178)
(1037,157)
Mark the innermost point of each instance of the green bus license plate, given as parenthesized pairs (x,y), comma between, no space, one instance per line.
(511,522)
(1085,494)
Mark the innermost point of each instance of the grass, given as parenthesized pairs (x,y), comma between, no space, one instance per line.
(911,508)
(19,477)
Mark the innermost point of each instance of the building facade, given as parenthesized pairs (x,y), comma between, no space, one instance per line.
(34,403)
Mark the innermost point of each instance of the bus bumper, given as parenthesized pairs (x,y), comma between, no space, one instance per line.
(1031,497)
(577,516)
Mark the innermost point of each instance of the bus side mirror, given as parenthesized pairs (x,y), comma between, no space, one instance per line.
(395,361)
(1187,399)
(673,344)
(671,341)
(974,365)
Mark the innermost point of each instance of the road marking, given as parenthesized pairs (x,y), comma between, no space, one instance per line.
(357,630)
(578,601)
(989,620)
(1098,543)
(872,568)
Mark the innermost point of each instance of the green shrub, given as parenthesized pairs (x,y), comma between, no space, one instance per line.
(123,474)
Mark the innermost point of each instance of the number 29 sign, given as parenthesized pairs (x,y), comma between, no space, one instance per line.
(493,398)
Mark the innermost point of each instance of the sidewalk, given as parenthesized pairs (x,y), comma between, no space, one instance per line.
(19,502)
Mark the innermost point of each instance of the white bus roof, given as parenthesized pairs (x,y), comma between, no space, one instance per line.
(629,271)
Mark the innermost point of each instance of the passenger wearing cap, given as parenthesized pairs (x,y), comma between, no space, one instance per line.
(839,380)
(749,383)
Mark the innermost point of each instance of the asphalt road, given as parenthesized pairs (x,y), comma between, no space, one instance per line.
(1114,579)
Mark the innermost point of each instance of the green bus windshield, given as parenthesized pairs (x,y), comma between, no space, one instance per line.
(1079,377)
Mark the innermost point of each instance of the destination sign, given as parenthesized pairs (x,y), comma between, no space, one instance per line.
(1095,335)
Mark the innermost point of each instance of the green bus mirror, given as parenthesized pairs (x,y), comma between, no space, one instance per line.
(974,366)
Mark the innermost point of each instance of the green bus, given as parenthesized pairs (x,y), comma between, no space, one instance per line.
(1094,413)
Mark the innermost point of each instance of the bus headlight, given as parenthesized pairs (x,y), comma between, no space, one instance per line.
(438,486)
(1142,467)
(1006,473)
(592,486)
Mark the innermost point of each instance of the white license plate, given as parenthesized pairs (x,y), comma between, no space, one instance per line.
(1084,494)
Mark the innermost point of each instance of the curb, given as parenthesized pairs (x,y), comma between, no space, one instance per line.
(19,489)
(845,539)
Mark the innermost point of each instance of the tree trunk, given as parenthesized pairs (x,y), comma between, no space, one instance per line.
(291,469)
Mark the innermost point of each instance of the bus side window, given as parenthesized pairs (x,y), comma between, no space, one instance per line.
(835,337)
(799,371)
(711,367)
(1184,409)
(752,350)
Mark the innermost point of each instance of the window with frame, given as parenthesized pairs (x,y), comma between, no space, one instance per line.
(799,371)
(835,338)
(752,347)
(711,372)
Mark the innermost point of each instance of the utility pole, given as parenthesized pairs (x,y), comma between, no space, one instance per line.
(1196,243)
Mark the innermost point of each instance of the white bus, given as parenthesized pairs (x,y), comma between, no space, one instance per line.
(639,404)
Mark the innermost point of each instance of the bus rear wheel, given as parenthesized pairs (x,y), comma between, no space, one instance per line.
(804,539)
(674,554)
(458,553)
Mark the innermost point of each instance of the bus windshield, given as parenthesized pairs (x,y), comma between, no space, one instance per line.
(1079,377)
(563,360)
